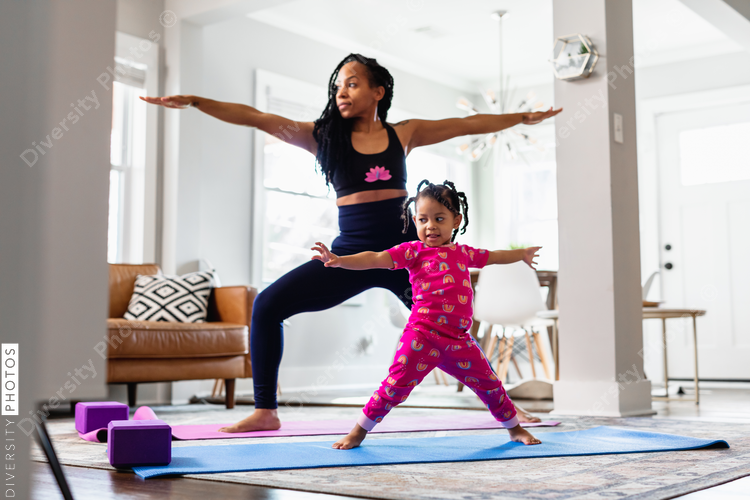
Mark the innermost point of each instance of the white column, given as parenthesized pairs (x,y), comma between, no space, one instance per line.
(601,366)
(53,207)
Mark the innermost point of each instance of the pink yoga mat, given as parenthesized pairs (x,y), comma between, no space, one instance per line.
(325,427)
(469,421)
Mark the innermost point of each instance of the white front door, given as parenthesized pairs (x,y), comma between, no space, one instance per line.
(704,226)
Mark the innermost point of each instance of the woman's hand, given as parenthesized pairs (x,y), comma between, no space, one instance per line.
(326,257)
(539,116)
(529,254)
(172,101)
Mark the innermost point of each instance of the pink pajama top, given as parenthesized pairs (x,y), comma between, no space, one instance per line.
(441,284)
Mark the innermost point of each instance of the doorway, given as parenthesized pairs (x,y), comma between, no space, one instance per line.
(704,236)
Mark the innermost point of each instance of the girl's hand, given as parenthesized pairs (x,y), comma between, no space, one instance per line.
(172,101)
(539,116)
(328,258)
(529,256)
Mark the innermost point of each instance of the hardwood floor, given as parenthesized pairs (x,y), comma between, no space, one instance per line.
(718,403)
(97,484)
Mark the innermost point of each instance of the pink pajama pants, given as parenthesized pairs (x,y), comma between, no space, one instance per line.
(418,354)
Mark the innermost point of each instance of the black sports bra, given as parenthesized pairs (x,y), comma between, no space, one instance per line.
(384,170)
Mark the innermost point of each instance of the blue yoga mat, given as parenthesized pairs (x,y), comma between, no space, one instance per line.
(254,457)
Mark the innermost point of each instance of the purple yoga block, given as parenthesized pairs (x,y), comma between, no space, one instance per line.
(92,416)
(131,443)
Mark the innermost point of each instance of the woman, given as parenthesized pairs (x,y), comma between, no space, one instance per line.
(363,157)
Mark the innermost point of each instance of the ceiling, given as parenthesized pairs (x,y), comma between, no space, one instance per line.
(457,43)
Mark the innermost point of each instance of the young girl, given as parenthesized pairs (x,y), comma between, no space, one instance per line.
(437,334)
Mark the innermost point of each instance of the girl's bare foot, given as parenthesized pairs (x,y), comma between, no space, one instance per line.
(351,440)
(520,435)
(260,420)
(526,417)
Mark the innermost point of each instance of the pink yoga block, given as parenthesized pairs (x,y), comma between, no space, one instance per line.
(92,416)
(131,443)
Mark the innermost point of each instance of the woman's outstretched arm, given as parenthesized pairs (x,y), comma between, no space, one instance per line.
(425,132)
(295,133)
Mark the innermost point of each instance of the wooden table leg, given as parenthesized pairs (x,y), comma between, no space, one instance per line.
(530,349)
(501,354)
(664,346)
(555,353)
(695,351)
(542,354)
(506,359)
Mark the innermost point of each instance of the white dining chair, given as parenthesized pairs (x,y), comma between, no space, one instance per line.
(510,296)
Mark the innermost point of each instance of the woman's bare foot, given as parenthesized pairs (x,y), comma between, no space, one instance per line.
(260,420)
(520,435)
(351,440)
(526,417)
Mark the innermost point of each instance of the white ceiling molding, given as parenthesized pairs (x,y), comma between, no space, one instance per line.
(725,18)
(204,12)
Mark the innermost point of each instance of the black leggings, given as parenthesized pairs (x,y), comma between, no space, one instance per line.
(310,287)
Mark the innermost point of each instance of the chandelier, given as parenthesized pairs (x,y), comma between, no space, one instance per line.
(511,140)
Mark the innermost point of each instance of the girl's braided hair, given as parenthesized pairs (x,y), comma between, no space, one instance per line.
(445,193)
(332,132)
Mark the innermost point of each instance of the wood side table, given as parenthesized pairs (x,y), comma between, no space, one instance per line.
(648,313)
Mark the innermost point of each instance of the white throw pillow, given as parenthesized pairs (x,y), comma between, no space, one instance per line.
(180,299)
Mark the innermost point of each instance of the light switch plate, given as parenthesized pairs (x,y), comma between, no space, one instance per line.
(618,128)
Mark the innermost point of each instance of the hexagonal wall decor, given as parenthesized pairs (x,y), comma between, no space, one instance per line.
(573,57)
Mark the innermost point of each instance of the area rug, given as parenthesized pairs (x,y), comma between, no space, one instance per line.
(602,440)
(636,476)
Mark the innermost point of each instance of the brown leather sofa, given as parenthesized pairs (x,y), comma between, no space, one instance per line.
(157,351)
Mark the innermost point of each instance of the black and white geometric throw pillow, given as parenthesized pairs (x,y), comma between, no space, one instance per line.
(181,299)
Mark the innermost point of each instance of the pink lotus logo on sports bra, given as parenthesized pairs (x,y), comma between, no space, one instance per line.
(377,174)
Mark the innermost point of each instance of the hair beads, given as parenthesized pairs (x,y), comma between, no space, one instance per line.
(445,193)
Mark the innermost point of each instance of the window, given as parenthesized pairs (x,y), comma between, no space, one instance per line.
(298,210)
(294,208)
(434,165)
(715,154)
(133,153)
(126,189)
(527,197)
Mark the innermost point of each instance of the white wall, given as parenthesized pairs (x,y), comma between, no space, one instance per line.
(215,199)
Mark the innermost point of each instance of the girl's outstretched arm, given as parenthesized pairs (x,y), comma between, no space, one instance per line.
(510,256)
(356,262)
(298,134)
(425,132)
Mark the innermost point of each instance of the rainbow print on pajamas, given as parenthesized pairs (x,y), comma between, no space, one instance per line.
(437,334)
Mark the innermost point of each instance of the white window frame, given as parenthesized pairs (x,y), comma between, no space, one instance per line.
(124,43)
(292,90)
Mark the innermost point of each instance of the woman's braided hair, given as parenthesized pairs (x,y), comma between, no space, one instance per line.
(445,193)
(332,132)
